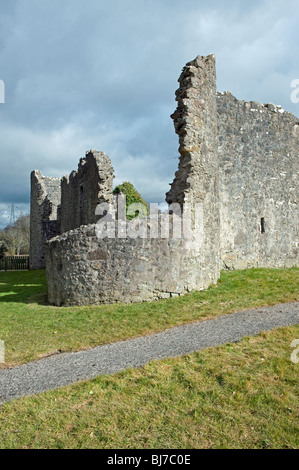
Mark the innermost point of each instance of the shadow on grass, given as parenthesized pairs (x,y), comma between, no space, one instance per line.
(251,286)
(23,287)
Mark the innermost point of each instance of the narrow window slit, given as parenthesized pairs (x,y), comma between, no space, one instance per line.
(263,225)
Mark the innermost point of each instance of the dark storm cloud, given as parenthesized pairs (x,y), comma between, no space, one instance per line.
(82,75)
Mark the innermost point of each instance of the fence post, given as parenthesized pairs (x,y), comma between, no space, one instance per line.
(15,263)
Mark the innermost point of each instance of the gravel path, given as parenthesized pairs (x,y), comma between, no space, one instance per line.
(67,368)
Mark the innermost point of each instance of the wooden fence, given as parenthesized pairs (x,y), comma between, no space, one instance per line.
(14,263)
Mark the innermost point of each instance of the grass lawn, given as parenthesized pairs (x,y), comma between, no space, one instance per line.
(31,329)
(242,395)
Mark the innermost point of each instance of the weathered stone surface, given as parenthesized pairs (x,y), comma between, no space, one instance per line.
(259,179)
(238,161)
(82,270)
(83,189)
(44,216)
(196,181)
(62,204)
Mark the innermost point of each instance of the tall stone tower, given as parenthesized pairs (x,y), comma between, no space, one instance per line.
(44,215)
(196,181)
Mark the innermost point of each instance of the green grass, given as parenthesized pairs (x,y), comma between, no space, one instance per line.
(242,395)
(31,329)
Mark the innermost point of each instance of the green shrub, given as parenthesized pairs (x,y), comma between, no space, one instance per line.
(3,249)
(132,197)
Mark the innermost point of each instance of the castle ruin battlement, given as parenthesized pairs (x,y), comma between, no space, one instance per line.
(238,161)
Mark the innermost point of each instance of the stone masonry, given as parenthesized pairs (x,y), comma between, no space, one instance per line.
(44,215)
(258,175)
(238,162)
(90,185)
(196,181)
(62,204)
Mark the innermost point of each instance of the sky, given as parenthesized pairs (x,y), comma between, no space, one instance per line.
(92,74)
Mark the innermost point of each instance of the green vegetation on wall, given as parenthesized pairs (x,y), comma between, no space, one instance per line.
(132,197)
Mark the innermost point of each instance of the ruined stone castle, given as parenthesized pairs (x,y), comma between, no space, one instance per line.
(238,159)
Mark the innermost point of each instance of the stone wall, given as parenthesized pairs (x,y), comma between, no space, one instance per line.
(259,181)
(238,163)
(196,180)
(44,215)
(58,205)
(83,270)
(84,189)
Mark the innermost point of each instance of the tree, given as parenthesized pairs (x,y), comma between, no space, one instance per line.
(132,197)
(3,248)
(16,237)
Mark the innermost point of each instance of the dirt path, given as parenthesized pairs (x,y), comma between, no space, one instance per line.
(64,369)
